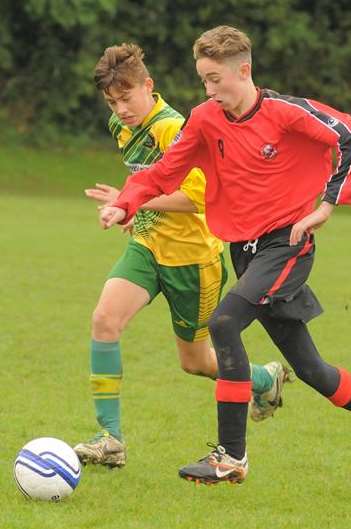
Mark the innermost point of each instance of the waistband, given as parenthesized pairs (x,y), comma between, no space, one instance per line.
(254,244)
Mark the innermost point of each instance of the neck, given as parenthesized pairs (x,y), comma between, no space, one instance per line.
(246,102)
(151,103)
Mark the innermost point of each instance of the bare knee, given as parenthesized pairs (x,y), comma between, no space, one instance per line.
(197,358)
(105,326)
(188,366)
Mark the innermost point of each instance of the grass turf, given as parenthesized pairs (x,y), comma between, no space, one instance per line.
(54,259)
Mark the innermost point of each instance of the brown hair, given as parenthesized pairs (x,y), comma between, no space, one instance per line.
(221,43)
(121,66)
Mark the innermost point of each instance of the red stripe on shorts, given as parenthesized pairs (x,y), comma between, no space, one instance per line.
(232,391)
(287,269)
(342,395)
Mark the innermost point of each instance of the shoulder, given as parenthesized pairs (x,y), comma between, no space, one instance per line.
(204,109)
(286,108)
(273,99)
(206,113)
(295,106)
(164,130)
(286,102)
(167,123)
(328,110)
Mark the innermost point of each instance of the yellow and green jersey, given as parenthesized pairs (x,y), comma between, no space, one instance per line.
(175,239)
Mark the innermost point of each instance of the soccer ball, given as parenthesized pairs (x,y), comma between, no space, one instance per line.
(47,469)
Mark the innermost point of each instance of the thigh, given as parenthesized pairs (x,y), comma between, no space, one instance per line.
(137,265)
(292,339)
(276,272)
(120,300)
(193,292)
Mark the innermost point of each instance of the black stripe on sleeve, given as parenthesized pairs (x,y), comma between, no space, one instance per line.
(338,179)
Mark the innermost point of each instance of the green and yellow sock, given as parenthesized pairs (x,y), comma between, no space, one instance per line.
(105,380)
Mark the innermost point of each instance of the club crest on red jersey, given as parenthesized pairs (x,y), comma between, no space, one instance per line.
(268,151)
(332,122)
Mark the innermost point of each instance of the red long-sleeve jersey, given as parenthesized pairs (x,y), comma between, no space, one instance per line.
(263,171)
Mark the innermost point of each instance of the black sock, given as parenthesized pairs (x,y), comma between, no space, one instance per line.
(232,417)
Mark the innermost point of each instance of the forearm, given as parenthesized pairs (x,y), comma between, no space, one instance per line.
(177,202)
(324,211)
(313,221)
(139,189)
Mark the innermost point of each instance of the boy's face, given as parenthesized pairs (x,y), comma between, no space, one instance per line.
(132,105)
(225,82)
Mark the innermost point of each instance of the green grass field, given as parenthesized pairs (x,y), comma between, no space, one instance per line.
(54,259)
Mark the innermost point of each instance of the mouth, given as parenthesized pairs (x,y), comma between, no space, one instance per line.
(128,118)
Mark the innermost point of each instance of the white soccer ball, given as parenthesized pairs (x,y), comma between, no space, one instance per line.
(47,469)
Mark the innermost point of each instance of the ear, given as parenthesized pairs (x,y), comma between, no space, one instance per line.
(245,71)
(149,83)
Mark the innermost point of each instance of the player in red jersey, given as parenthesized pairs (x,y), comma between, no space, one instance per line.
(267,158)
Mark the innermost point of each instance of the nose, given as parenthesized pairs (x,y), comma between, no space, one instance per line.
(121,108)
(209,90)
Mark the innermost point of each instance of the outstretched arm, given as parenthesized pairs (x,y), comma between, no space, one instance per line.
(177,201)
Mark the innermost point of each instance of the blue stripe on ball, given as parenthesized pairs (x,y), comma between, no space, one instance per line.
(48,464)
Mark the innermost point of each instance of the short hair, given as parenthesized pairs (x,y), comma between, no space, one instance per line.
(221,43)
(120,66)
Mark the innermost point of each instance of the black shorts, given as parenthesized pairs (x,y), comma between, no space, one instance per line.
(271,272)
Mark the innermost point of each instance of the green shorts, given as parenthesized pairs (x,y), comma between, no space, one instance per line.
(192,291)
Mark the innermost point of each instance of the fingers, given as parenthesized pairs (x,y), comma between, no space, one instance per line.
(102,222)
(296,234)
(104,187)
(312,222)
(128,228)
(106,194)
(114,219)
(95,194)
(105,215)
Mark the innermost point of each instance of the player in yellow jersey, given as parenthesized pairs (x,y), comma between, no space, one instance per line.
(171,251)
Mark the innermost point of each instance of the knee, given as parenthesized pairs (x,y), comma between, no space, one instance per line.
(197,358)
(104,326)
(189,368)
(189,362)
(221,324)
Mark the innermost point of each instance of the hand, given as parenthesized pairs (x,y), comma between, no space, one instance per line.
(110,215)
(128,227)
(312,222)
(103,193)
